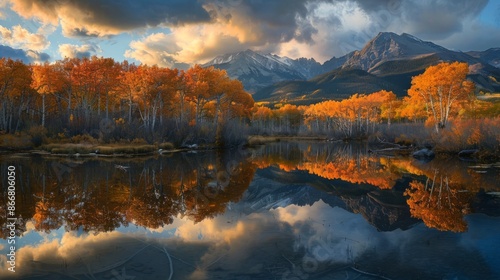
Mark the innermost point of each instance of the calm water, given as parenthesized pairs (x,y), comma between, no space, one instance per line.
(282,211)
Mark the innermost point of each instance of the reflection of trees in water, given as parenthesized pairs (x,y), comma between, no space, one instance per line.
(97,196)
(441,201)
(355,164)
(438,204)
(332,161)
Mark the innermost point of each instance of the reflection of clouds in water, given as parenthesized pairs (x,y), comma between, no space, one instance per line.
(334,236)
(69,250)
(236,246)
(328,234)
(233,245)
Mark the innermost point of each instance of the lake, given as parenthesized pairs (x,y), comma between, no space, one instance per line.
(287,210)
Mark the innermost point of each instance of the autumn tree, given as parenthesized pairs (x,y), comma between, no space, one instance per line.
(438,204)
(441,88)
(15,93)
(46,81)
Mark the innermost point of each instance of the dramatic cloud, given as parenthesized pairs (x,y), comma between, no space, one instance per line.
(101,18)
(18,37)
(24,56)
(72,51)
(314,28)
(158,48)
(198,30)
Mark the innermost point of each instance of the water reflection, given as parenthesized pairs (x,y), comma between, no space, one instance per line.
(100,196)
(441,192)
(283,211)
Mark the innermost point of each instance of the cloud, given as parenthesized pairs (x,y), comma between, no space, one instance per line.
(25,56)
(433,23)
(102,18)
(159,48)
(235,25)
(75,51)
(3,4)
(199,30)
(314,28)
(19,37)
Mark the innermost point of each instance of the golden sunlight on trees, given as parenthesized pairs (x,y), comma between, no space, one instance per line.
(356,115)
(441,89)
(87,96)
(438,205)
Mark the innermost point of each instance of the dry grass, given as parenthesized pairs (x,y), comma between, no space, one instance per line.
(67,148)
(166,146)
(15,142)
(261,140)
(83,149)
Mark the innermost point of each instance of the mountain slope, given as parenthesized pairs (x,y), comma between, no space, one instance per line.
(391,61)
(257,71)
(336,84)
(490,56)
(388,46)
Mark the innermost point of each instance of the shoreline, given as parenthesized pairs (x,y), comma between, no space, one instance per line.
(122,151)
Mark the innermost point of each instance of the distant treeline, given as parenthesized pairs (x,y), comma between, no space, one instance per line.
(113,101)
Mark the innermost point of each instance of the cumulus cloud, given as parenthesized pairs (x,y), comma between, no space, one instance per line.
(202,29)
(311,28)
(3,4)
(159,48)
(75,51)
(101,18)
(19,37)
(25,56)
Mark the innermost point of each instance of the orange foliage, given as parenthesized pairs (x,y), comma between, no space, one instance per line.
(443,89)
(438,205)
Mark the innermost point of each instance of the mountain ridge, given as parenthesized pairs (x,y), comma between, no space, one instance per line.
(389,59)
(258,70)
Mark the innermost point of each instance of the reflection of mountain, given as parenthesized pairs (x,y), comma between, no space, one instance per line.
(97,196)
(369,185)
(386,210)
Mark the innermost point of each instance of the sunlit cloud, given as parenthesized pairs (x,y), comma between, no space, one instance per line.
(156,49)
(19,37)
(75,51)
(201,30)
(103,18)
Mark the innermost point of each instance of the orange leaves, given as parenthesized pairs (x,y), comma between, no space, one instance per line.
(438,205)
(354,114)
(46,79)
(441,89)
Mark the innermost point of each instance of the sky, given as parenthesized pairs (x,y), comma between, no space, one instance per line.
(180,33)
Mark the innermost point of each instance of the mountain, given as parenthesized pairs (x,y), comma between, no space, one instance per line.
(336,84)
(388,61)
(490,56)
(387,46)
(256,70)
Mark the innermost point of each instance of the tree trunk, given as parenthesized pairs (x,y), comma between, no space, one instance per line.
(43,110)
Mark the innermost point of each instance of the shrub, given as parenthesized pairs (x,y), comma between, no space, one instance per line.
(139,141)
(166,146)
(38,135)
(83,138)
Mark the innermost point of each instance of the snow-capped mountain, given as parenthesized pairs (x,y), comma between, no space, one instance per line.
(256,70)
(388,46)
(388,57)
